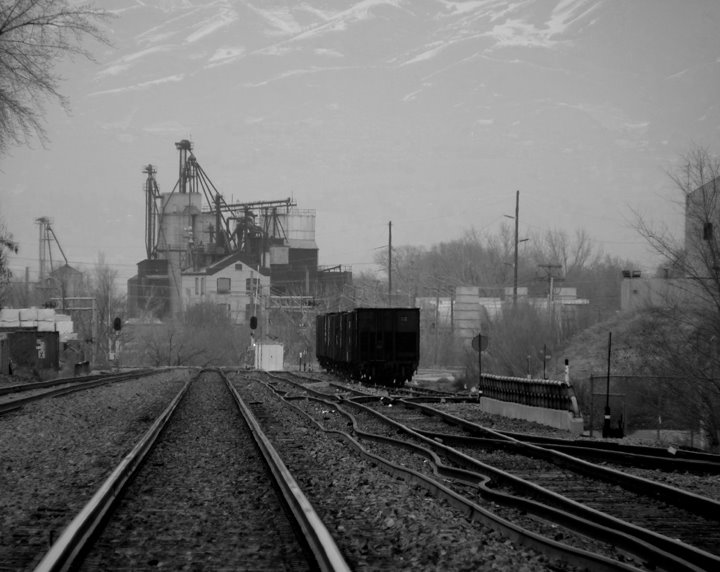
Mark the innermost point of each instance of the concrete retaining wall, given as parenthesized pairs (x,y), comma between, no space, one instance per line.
(551,417)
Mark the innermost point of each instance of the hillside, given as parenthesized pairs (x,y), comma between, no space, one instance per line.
(587,352)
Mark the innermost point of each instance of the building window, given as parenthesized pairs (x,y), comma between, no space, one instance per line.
(202,286)
(197,285)
(238,267)
(708,231)
(223,285)
(252,284)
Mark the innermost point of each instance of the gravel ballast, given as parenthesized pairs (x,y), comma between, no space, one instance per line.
(381,522)
(54,454)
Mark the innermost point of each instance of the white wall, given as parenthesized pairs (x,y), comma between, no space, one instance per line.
(200,288)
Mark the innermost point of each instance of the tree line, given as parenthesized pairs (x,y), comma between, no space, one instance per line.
(551,259)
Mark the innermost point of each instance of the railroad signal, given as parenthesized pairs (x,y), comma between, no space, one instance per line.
(117,324)
(253,322)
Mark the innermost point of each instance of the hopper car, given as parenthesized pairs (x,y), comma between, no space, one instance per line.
(372,345)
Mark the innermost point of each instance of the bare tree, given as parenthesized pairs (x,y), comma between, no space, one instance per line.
(572,254)
(685,330)
(695,256)
(170,345)
(109,302)
(473,259)
(35,35)
(205,337)
(7,245)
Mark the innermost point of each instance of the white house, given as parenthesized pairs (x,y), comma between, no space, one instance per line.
(231,283)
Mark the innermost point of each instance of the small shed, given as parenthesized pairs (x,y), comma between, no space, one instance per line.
(269,357)
(33,349)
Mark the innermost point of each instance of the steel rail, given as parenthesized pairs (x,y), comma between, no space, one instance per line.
(654,457)
(671,554)
(595,454)
(706,507)
(66,387)
(69,547)
(22,387)
(677,555)
(319,540)
(473,511)
(684,454)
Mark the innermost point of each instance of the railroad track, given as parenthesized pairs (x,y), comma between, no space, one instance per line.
(399,458)
(620,454)
(653,519)
(332,385)
(349,491)
(361,490)
(55,453)
(655,514)
(650,458)
(668,459)
(197,492)
(13,397)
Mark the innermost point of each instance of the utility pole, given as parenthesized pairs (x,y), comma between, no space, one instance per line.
(437,321)
(551,278)
(517,242)
(389,264)
(515,263)
(606,418)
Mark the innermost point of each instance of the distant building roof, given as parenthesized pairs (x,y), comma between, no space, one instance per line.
(65,269)
(233,258)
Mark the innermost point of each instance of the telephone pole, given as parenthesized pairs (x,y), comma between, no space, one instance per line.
(551,278)
(389,264)
(517,242)
(515,263)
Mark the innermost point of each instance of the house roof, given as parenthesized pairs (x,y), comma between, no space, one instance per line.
(233,258)
(65,269)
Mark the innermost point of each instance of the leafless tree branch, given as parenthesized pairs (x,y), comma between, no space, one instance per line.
(35,35)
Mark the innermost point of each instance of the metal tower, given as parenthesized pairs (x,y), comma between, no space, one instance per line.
(47,235)
(152,193)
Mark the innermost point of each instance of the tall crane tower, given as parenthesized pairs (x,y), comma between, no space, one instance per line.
(47,236)
(152,193)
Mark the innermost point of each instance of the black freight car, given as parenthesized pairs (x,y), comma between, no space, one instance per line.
(375,345)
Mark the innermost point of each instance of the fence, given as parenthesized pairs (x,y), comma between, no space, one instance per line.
(547,393)
(651,405)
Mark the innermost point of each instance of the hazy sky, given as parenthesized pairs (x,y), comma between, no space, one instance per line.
(429,113)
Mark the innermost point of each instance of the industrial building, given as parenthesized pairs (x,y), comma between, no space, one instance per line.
(241,256)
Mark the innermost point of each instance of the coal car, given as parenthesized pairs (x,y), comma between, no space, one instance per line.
(373,345)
